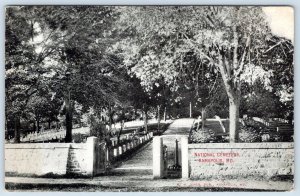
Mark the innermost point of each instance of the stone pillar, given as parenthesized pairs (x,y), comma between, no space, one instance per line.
(158,162)
(185,157)
(91,143)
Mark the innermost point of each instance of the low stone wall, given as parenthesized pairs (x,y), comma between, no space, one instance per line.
(36,159)
(55,158)
(85,159)
(226,160)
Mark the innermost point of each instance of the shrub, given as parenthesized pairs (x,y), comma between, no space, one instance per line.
(249,134)
(79,138)
(98,130)
(202,136)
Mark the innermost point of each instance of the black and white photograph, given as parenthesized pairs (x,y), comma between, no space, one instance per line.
(159,98)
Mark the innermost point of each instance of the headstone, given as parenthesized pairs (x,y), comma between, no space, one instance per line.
(115,152)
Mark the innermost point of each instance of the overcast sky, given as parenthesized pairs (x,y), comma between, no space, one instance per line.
(281,21)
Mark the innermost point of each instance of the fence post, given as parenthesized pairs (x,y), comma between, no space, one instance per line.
(184,158)
(91,143)
(158,162)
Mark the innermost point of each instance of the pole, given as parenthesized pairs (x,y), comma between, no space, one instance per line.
(165,114)
(145,117)
(190,109)
(158,119)
(68,137)
(176,153)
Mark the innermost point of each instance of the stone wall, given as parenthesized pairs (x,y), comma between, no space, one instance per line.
(77,159)
(85,159)
(225,160)
(36,159)
(54,158)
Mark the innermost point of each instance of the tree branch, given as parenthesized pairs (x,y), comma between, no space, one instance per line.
(242,64)
(195,46)
(280,42)
(235,47)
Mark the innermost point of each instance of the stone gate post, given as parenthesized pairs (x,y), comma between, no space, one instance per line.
(158,162)
(185,157)
(91,143)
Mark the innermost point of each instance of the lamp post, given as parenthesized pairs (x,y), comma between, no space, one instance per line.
(68,137)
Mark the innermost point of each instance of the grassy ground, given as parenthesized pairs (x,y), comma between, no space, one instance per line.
(81,187)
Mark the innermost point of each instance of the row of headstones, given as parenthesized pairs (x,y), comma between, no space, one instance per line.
(44,132)
(114,141)
(269,121)
(119,150)
(45,137)
(261,121)
(57,135)
(123,137)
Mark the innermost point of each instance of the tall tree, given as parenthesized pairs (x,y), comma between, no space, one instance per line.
(46,42)
(230,39)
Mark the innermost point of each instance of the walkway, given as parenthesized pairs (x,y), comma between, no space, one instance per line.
(140,164)
(137,166)
(180,127)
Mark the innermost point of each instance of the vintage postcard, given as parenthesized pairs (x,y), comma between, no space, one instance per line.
(149,98)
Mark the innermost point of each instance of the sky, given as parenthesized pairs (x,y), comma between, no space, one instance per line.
(281,20)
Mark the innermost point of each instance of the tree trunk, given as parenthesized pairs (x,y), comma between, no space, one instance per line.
(145,118)
(17,130)
(165,114)
(49,124)
(234,119)
(37,124)
(190,109)
(158,119)
(110,116)
(120,132)
(233,93)
(203,118)
(34,126)
(68,137)
(135,113)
